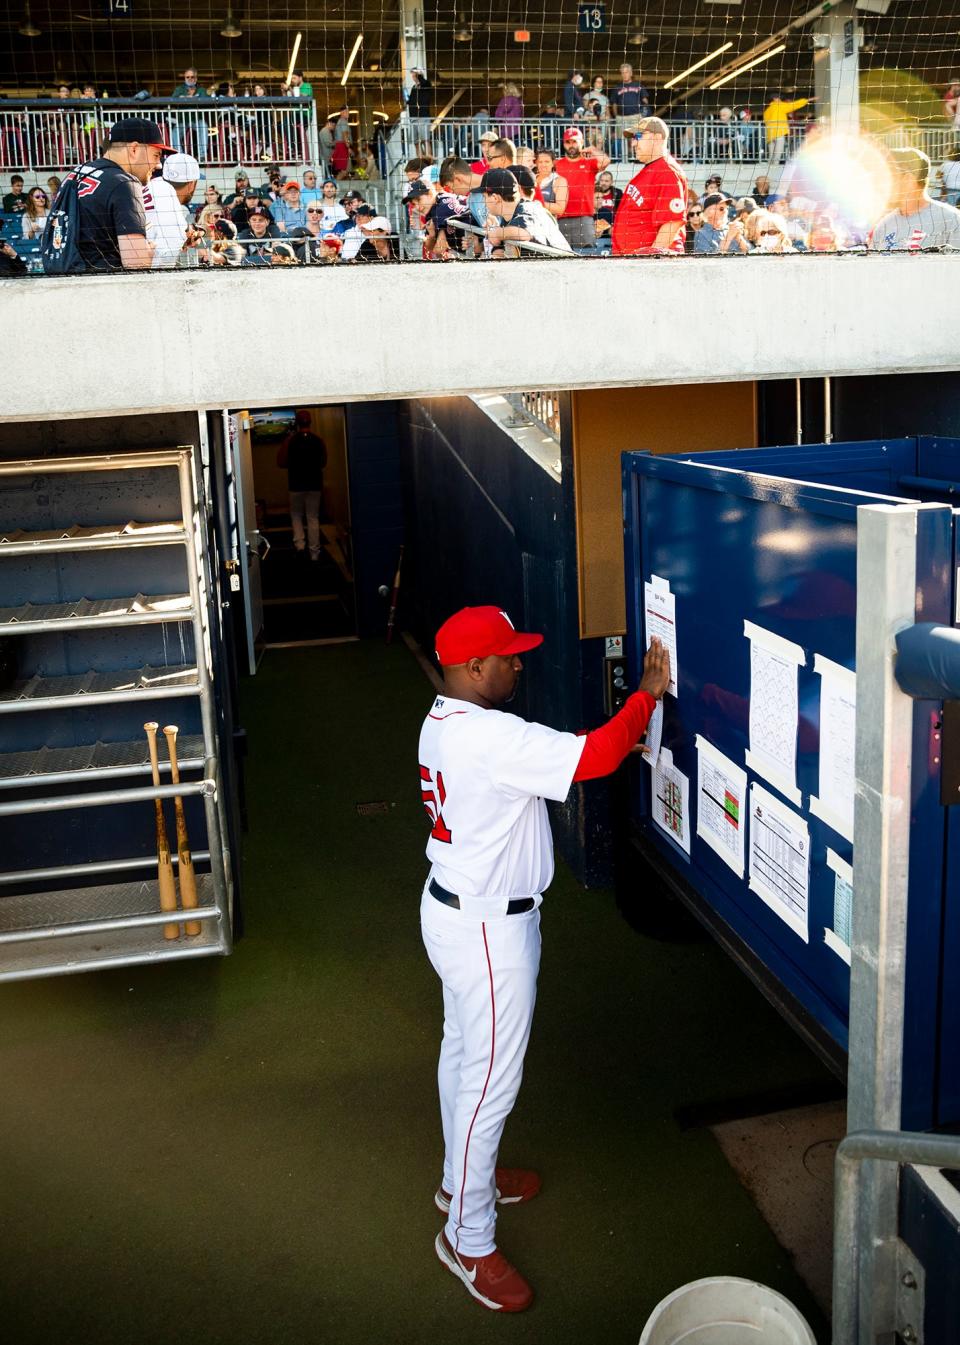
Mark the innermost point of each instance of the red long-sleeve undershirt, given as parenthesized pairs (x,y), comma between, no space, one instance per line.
(608,745)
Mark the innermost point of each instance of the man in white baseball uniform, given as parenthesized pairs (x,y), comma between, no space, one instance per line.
(484,778)
(165,198)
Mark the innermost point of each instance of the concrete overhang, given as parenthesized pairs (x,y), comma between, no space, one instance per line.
(99,345)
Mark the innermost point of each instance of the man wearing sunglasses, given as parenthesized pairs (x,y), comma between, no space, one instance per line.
(308,239)
(713,231)
(650,217)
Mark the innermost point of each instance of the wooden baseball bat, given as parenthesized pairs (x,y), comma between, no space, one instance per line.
(185,873)
(165,880)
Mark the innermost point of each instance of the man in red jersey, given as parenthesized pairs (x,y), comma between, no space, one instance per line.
(650,218)
(579,168)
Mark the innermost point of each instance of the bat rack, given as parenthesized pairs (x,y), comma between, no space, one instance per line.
(78,886)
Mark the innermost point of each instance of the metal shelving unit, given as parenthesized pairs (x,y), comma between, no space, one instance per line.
(110,913)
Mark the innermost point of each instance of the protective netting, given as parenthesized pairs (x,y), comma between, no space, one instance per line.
(357,91)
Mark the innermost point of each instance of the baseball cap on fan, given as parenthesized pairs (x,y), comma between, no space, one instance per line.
(141,130)
(572,133)
(181,168)
(477,632)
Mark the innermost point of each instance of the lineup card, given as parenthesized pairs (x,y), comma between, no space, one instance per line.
(774,710)
(660,620)
(721,804)
(838,735)
(780,859)
(838,938)
(671,800)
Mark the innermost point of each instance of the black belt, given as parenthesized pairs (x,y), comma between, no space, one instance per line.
(516,906)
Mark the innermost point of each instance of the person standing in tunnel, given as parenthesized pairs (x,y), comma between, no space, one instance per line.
(303,454)
(484,779)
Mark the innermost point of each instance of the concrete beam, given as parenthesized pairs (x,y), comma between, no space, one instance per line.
(98,345)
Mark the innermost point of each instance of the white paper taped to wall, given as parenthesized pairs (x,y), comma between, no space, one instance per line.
(774,709)
(838,938)
(780,859)
(721,804)
(653,736)
(660,620)
(671,800)
(838,728)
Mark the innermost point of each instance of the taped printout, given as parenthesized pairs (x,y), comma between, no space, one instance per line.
(653,736)
(660,620)
(774,663)
(721,804)
(838,938)
(838,727)
(671,801)
(780,859)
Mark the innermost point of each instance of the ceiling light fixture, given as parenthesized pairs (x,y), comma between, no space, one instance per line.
(637,38)
(741,69)
(28,28)
(229,28)
(696,66)
(464,32)
(353,56)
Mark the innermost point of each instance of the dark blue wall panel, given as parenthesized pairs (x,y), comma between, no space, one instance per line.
(487,524)
(376,510)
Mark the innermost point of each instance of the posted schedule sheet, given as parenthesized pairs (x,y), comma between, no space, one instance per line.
(721,804)
(671,800)
(774,710)
(660,620)
(838,731)
(780,859)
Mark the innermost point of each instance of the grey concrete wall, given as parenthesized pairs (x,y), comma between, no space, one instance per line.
(184,340)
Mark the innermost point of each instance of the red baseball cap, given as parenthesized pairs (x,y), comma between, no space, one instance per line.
(476,632)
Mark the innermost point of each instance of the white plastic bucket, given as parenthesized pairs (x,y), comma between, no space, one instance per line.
(726,1311)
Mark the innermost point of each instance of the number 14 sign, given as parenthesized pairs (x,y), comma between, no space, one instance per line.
(591,18)
(118,9)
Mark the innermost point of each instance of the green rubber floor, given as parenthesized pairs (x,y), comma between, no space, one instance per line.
(245,1150)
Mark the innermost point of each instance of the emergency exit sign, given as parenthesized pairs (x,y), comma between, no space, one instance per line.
(592,18)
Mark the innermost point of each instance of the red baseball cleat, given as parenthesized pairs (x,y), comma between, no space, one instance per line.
(514,1186)
(491,1280)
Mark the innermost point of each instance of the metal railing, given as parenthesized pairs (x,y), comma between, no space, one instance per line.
(44,135)
(893,1147)
(708,141)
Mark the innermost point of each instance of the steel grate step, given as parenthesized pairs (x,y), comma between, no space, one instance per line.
(94,760)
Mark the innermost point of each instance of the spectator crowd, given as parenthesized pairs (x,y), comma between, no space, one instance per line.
(140,203)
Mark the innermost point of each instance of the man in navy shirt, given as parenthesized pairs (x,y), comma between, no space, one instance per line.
(113,225)
(631,98)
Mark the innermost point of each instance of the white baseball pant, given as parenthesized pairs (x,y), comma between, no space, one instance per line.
(488,964)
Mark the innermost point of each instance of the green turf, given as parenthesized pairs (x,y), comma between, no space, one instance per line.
(245,1150)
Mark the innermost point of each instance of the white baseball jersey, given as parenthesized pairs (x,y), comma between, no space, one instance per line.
(166,222)
(484,776)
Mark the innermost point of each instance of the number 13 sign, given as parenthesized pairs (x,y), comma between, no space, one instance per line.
(592,18)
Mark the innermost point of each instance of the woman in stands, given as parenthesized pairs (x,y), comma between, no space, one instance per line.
(211,197)
(770,232)
(553,188)
(36,212)
(509,111)
(207,221)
